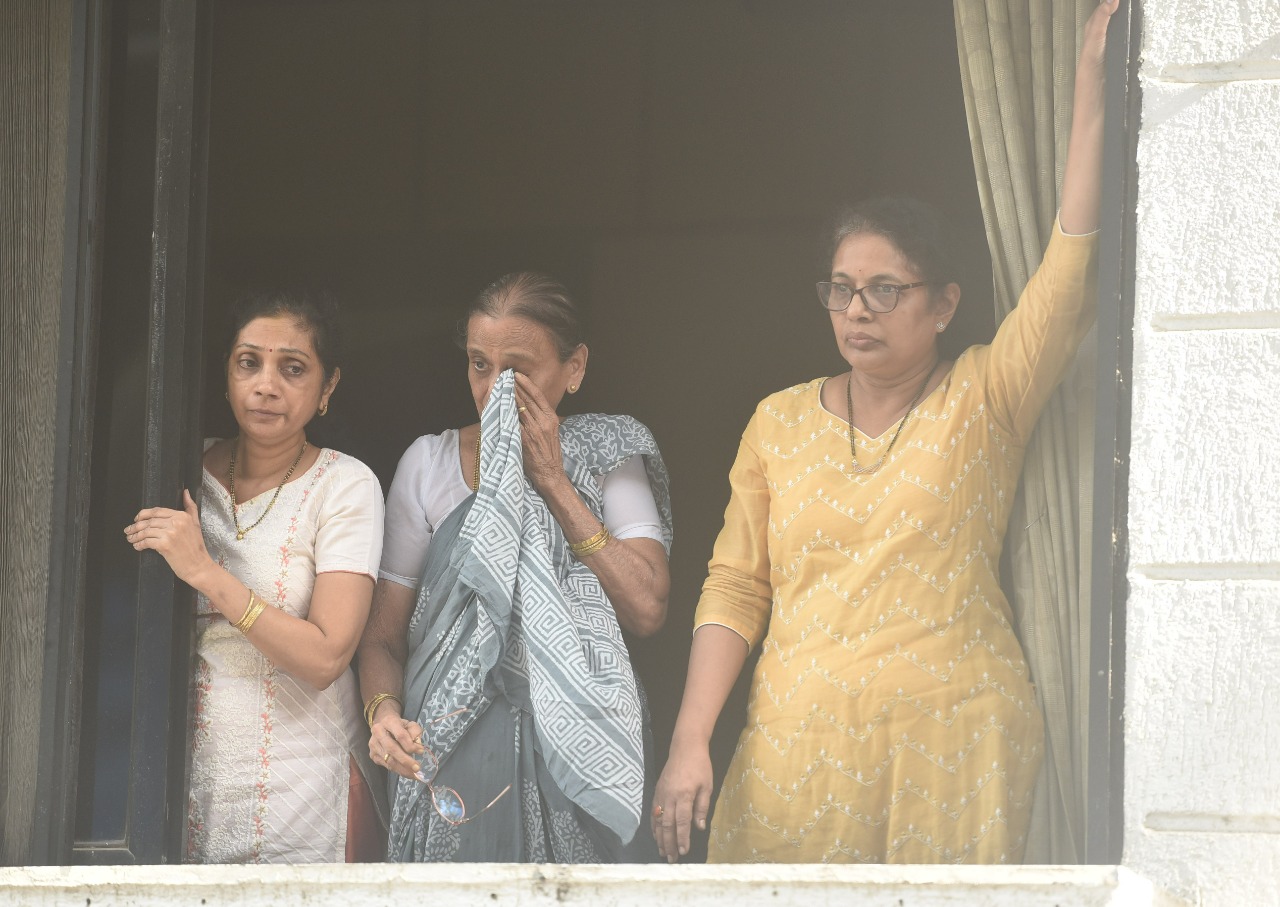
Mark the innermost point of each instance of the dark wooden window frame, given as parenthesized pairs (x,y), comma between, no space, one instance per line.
(163,643)
(156,807)
(77,348)
(1109,588)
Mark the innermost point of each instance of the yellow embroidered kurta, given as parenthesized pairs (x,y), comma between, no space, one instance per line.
(891,717)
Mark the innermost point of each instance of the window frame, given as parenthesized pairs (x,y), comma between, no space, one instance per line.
(175,59)
(156,816)
(1109,588)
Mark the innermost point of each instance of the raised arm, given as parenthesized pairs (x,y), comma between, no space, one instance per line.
(632,572)
(1082,176)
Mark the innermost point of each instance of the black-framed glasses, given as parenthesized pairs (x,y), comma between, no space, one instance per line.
(878,297)
(448,802)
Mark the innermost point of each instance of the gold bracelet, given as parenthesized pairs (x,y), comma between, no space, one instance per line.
(591,545)
(376,701)
(251,612)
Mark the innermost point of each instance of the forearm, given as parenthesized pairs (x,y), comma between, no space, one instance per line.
(632,572)
(715,661)
(295,645)
(381,671)
(1082,174)
(384,648)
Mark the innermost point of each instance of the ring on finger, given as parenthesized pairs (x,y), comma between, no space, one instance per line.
(386,756)
(522,409)
(657,811)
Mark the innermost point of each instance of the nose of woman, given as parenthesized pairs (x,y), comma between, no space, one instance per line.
(266,383)
(858,310)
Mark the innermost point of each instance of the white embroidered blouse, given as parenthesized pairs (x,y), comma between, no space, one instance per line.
(270,754)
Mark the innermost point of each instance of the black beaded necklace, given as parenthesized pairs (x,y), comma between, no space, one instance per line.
(853,452)
(231,482)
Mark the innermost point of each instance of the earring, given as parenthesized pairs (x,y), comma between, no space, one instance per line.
(226,395)
(573,388)
(324,408)
(942,326)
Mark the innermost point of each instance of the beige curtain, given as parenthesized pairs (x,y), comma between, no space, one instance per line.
(1017,65)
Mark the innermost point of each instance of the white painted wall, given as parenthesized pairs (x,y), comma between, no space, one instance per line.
(1202,737)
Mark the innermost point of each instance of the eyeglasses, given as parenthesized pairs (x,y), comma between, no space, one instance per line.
(878,297)
(447,802)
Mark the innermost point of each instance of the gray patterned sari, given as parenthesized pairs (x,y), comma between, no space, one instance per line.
(518,671)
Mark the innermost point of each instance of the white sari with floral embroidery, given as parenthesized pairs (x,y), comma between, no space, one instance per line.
(270,754)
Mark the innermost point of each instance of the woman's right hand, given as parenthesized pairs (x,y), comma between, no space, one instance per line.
(395,743)
(176,535)
(682,799)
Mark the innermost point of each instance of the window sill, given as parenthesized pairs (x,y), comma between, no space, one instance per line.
(618,886)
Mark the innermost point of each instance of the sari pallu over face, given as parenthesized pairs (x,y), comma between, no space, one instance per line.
(517,669)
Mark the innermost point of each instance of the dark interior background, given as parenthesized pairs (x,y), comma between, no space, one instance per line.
(673,163)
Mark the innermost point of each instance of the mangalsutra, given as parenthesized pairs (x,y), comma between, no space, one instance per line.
(475,472)
(231,483)
(853,452)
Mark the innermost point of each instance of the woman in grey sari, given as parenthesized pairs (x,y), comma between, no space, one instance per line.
(497,685)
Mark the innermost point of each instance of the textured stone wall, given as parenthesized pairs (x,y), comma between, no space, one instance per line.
(1202,738)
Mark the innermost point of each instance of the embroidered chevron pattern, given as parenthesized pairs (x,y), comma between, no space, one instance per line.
(892,714)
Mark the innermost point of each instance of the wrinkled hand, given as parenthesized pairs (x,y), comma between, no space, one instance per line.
(395,743)
(175,535)
(682,798)
(540,431)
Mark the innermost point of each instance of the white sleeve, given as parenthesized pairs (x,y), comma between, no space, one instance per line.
(408,532)
(630,511)
(349,537)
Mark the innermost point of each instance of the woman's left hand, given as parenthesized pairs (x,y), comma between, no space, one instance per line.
(540,430)
(1082,175)
(175,534)
(1093,44)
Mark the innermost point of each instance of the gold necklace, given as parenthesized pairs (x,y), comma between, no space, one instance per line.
(853,452)
(231,482)
(475,473)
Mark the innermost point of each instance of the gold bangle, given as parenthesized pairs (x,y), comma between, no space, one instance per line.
(376,701)
(591,545)
(251,612)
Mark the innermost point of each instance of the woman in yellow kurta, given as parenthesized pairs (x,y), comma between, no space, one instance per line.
(892,718)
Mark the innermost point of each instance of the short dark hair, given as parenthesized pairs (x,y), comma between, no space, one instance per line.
(317,310)
(537,297)
(916,228)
